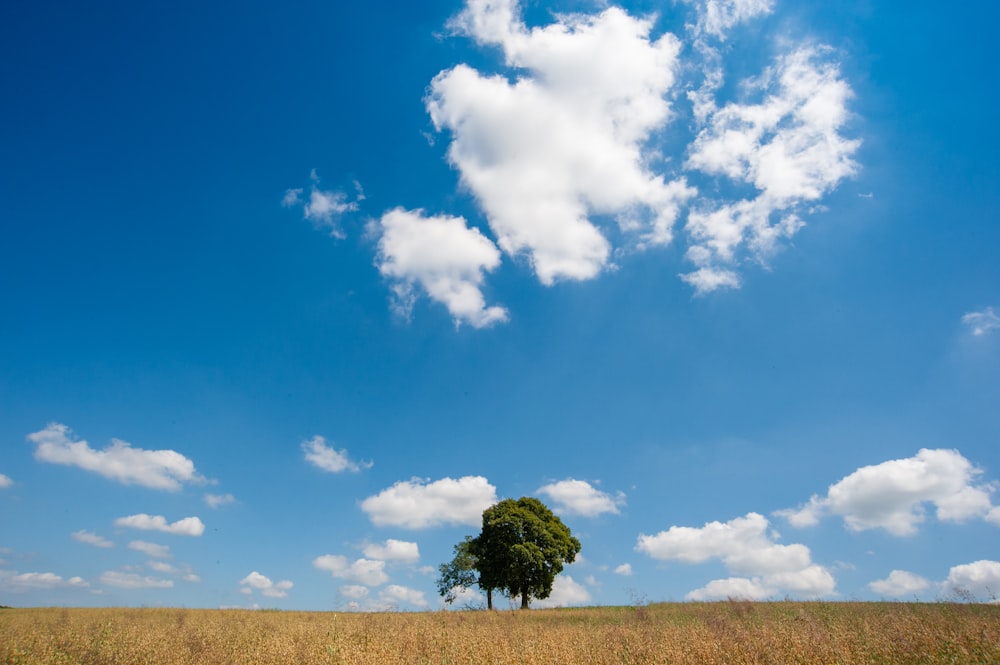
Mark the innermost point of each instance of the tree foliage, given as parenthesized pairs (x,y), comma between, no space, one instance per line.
(522,547)
(459,573)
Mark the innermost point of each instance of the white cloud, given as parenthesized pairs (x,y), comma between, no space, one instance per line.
(396,594)
(418,504)
(150,549)
(565,592)
(362,571)
(324,207)
(565,141)
(163,567)
(979,580)
(578,497)
(892,495)
(329,459)
(156,469)
(134,581)
(732,587)
(354,591)
(444,258)
(189,526)
(899,584)
(393,550)
(982,322)
(788,147)
(5,481)
(219,500)
(91,538)
(747,548)
(17,583)
(624,569)
(264,584)
(717,17)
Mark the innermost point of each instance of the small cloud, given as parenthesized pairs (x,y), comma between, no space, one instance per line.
(393,550)
(362,571)
(156,469)
(578,497)
(329,459)
(256,581)
(624,569)
(91,539)
(396,594)
(323,207)
(982,322)
(899,584)
(189,526)
(17,583)
(150,549)
(419,504)
(219,500)
(134,581)
(5,481)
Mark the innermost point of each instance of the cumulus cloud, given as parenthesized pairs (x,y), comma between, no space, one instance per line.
(419,504)
(718,17)
(393,550)
(564,142)
(323,207)
(982,322)
(788,148)
(189,526)
(746,547)
(395,594)
(12,581)
(899,584)
(624,569)
(329,459)
(892,495)
(156,469)
(134,581)
(578,497)
(150,549)
(5,481)
(565,592)
(979,580)
(91,538)
(367,572)
(263,584)
(219,500)
(442,257)
(354,591)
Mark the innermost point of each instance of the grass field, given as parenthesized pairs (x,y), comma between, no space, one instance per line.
(702,633)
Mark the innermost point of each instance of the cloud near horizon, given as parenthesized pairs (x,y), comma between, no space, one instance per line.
(762,567)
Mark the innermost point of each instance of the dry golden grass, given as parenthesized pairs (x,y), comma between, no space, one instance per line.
(696,633)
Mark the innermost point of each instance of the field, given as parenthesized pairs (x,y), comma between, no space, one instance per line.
(702,633)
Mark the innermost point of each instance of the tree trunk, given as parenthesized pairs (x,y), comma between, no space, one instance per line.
(524,600)
(489,599)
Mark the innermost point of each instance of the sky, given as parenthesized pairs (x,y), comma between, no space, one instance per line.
(290,295)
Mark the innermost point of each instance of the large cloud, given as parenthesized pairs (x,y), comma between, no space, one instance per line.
(979,581)
(899,584)
(189,526)
(788,147)
(892,495)
(565,592)
(444,258)
(418,504)
(563,142)
(578,497)
(157,469)
(748,550)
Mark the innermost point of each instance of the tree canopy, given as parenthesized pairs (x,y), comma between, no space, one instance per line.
(522,547)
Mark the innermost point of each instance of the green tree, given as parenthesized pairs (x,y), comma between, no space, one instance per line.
(521,549)
(459,573)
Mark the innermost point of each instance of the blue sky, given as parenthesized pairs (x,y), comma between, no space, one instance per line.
(289,296)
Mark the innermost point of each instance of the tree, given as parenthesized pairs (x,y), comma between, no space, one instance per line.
(459,573)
